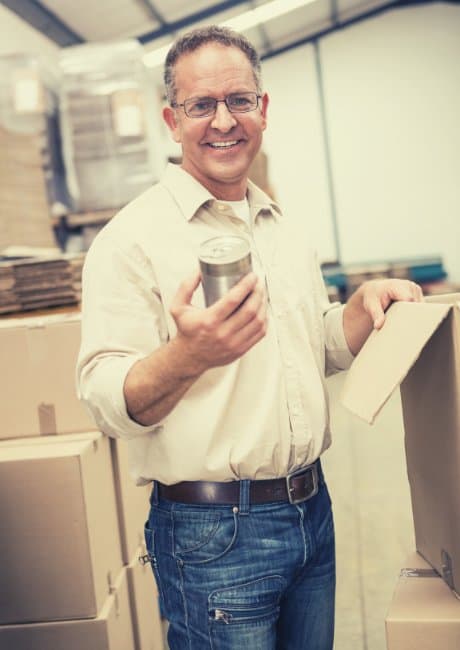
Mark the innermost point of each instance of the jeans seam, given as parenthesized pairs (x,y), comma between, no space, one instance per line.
(184,603)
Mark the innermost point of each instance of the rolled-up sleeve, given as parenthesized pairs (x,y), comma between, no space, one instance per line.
(337,353)
(121,323)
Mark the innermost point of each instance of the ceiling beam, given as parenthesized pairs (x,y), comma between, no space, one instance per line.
(189,20)
(152,11)
(44,20)
(394,4)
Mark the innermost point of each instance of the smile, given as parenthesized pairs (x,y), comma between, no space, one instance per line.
(223,145)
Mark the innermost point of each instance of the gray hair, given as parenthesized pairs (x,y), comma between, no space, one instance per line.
(197,38)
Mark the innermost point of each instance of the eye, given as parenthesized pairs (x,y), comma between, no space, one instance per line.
(240,101)
(201,105)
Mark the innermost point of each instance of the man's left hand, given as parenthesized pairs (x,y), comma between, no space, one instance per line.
(365,309)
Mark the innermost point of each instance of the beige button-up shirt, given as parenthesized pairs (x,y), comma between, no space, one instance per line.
(262,416)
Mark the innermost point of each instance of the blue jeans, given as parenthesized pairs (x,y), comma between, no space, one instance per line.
(245,577)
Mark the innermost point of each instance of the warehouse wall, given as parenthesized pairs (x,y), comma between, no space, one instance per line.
(392,100)
(295,145)
(17,36)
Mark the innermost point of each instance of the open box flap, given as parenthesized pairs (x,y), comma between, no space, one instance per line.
(388,354)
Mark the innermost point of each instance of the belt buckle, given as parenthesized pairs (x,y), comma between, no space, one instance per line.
(311,469)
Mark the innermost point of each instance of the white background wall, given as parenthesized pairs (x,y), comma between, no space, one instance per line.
(392,98)
(295,146)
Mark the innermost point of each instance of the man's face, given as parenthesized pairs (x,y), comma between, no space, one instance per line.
(217,150)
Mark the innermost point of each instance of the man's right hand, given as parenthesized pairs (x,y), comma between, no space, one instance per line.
(223,332)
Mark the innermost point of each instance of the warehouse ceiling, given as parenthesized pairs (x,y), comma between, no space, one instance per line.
(156,22)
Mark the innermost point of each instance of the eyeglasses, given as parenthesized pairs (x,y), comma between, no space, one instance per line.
(205,106)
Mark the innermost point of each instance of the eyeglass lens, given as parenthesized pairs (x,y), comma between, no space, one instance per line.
(236,103)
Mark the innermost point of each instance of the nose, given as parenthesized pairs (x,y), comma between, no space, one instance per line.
(223,120)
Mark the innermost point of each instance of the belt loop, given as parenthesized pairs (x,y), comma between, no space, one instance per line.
(244,497)
(154,494)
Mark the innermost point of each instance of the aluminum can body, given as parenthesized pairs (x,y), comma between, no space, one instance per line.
(223,262)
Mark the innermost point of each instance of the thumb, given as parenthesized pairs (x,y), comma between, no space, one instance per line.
(186,290)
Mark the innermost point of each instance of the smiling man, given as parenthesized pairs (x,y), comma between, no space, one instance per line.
(219,150)
(223,407)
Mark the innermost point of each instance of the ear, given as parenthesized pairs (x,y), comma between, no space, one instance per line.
(173,124)
(263,109)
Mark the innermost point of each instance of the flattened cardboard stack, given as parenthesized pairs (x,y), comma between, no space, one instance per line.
(419,348)
(39,283)
(106,99)
(72,518)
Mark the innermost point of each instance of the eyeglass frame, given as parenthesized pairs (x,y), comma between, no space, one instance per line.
(218,101)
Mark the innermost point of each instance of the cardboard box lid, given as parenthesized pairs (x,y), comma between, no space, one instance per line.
(388,354)
(43,320)
(57,449)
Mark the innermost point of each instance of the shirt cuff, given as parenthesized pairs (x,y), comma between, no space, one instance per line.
(106,400)
(338,354)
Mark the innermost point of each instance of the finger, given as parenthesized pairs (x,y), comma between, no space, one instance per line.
(249,309)
(251,339)
(254,328)
(186,290)
(226,305)
(373,306)
(417,292)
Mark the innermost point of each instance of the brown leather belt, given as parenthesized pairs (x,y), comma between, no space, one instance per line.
(295,488)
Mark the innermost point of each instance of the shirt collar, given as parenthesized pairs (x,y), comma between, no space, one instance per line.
(259,201)
(190,195)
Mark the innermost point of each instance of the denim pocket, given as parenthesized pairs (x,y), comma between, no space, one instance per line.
(203,536)
(245,615)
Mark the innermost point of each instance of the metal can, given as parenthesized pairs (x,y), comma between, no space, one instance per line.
(223,262)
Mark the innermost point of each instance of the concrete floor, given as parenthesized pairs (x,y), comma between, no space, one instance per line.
(366,473)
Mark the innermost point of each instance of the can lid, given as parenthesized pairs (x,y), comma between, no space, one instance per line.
(224,250)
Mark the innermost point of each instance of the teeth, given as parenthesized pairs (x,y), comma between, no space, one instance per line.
(222,145)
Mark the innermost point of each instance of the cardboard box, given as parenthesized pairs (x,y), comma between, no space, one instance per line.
(132,501)
(424,614)
(145,612)
(419,346)
(110,630)
(59,549)
(38,389)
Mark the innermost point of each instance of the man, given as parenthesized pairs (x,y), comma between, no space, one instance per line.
(223,407)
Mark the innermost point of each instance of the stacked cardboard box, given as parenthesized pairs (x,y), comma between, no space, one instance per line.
(419,348)
(423,614)
(24,207)
(73,519)
(31,168)
(110,152)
